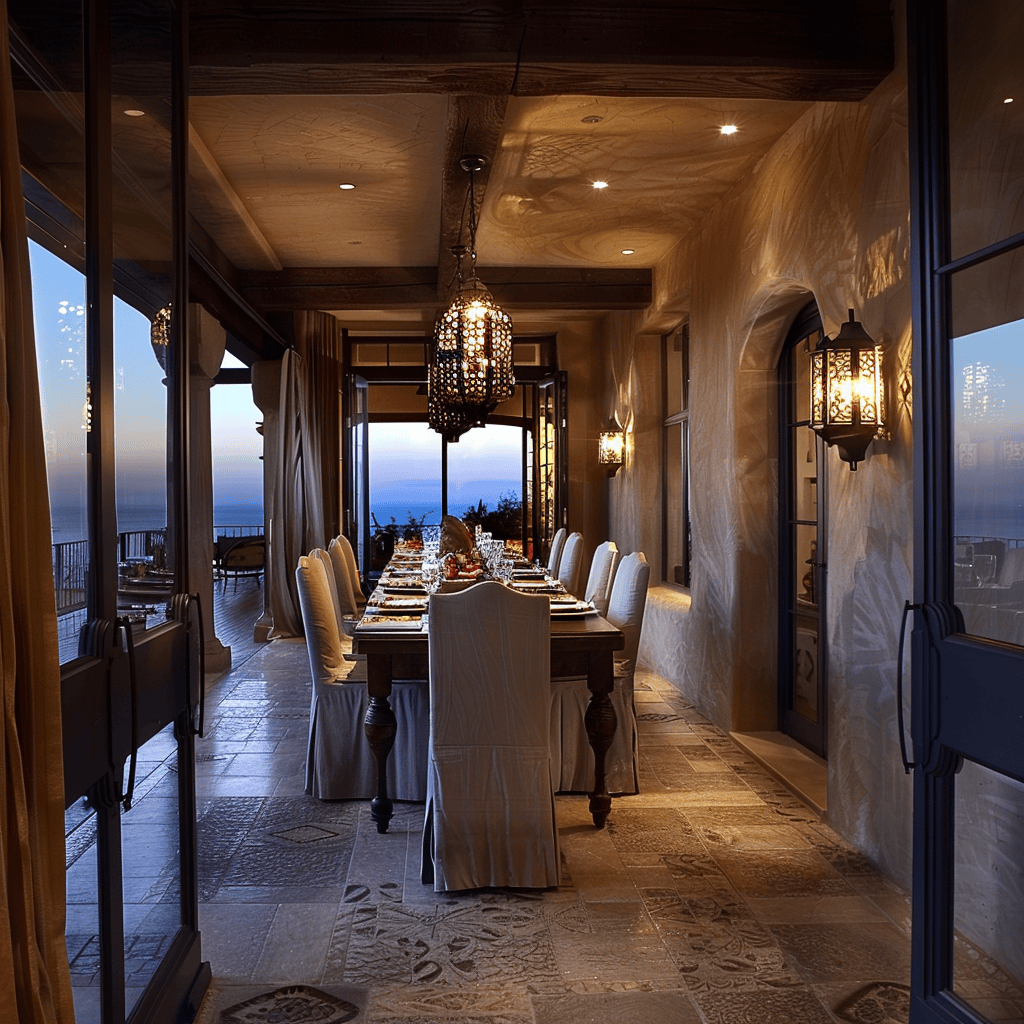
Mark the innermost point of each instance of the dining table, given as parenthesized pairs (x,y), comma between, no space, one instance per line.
(396,647)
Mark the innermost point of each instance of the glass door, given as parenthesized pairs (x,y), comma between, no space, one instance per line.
(357,477)
(802,545)
(101,124)
(967,110)
(550,468)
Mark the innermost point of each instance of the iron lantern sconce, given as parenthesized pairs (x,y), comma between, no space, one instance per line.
(611,448)
(848,391)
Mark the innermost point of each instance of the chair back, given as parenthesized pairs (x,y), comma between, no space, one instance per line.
(626,607)
(352,565)
(490,800)
(332,586)
(570,562)
(342,577)
(602,574)
(555,554)
(319,620)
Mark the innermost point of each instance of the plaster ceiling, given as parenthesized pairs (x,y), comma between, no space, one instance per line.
(283,159)
(665,161)
(266,171)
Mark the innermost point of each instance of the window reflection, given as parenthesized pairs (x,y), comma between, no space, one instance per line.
(988,473)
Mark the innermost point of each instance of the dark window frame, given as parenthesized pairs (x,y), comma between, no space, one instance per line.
(676,575)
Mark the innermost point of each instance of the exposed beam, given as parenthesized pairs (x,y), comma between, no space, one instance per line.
(350,288)
(562,288)
(213,282)
(204,163)
(769,49)
(233,375)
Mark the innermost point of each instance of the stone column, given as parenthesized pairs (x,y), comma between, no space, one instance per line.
(207,340)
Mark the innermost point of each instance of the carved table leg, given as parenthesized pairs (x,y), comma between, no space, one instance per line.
(380,727)
(600,722)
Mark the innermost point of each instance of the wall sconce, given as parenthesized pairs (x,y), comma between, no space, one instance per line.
(611,445)
(848,391)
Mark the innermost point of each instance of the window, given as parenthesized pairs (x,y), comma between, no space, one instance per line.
(675,362)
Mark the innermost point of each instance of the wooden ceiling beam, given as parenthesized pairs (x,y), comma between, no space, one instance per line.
(561,288)
(767,49)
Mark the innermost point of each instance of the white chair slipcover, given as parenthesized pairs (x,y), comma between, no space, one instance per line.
(602,574)
(570,562)
(348,598)
(555,554)
(570,750)
(339,762)
(490,816)
(353,567)
(332,586)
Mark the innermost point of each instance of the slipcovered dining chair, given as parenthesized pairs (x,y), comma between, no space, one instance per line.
(350,600)
(569,563)
(570,751)
(490,816)
(555,553)
(332,585)
(602,574)
(339,762)
(353,566)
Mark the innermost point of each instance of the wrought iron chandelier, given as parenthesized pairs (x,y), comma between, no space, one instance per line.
(470,369)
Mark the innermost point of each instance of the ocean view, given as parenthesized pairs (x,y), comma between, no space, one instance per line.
(68,524)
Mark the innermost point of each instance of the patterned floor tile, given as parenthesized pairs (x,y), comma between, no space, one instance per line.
(735,957)
(693,904)
(621,1007)
(790,1006)
(495,1003)
(879,1002)
(753,837)
(869,951)
(471,943)
(780,873)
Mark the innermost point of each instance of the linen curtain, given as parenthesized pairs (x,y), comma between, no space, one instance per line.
(296,513)
(318,339)
(35,982)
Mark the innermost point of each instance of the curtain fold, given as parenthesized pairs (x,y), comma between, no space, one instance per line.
(35,982)
(318,338)
(297,519)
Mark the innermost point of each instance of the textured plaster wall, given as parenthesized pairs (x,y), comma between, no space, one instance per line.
(824,215)
(580,353)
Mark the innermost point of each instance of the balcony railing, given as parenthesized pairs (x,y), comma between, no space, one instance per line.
(71,559)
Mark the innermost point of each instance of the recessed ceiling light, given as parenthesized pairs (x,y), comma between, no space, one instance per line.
(728,129)
(346,186)
(1009,99)
(600,184)
(355,243)
(592,119)
(628,252)
(135,113)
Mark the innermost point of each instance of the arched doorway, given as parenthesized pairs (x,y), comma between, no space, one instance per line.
(802,544)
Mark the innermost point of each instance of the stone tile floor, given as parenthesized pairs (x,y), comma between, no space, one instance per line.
(712,896)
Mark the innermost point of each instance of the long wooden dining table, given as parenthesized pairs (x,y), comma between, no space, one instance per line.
(579,647)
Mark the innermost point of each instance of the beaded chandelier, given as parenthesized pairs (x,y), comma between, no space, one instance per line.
(470,369)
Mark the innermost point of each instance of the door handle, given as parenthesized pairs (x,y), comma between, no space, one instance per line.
(907,763)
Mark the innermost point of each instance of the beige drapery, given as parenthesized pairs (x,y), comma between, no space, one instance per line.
(318,338)
(35,983)
(296,515)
